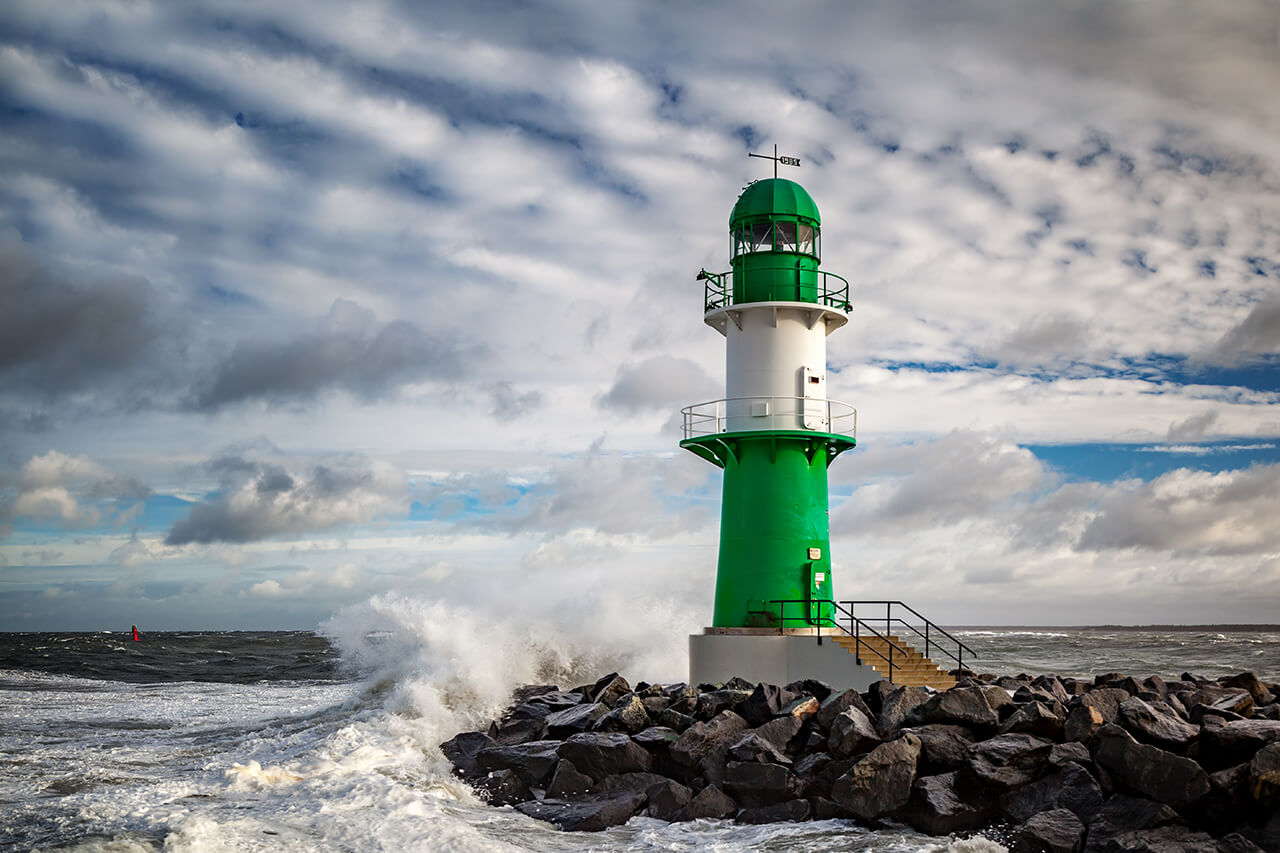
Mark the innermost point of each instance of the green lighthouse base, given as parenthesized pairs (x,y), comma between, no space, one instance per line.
(775,656)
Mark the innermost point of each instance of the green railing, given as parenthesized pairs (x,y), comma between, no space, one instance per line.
(829,289)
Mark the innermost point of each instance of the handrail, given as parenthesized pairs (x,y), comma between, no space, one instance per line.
(718,291)
(712,417)
(856,626)
(890,619)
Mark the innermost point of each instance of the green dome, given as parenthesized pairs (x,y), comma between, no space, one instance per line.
(774,196)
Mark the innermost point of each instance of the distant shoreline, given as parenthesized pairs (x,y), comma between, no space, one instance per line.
(1222,629)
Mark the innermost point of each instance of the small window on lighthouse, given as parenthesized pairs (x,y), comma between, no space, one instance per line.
(806,240)
(762,237)
(786,236)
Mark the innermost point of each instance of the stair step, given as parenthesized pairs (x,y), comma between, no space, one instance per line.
(910,667)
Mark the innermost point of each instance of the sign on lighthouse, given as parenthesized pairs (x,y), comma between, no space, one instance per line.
(774,433)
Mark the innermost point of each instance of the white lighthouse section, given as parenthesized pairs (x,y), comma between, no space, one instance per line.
(775,367)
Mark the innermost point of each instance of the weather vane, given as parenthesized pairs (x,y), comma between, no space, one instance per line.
(786,161)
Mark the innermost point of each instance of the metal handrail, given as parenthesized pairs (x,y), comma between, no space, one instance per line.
(890,620)
(840,418)
(718,291)
(854,630)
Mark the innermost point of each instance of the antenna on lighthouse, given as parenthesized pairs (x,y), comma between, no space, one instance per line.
(784,160)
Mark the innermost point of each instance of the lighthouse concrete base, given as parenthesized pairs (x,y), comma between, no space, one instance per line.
(770,656)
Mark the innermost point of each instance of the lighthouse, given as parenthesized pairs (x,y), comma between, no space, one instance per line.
(774,434)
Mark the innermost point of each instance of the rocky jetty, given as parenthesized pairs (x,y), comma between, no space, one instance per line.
(1043,763)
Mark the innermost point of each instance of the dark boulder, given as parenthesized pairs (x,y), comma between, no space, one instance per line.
(674,720)
(628,715)
(710,802)
(532,762)
(1070,753)
(1154,725)
(1082,723)
(1070,787)
(1121,815)
(765,702)
(1248,681)
(701,738)
(567,782)
(942,747)
(819,690)
(1223,744)
(780,732)
(630,782)
(1035,718)
(609,689)
(504,788)
(790,811)
(461,752)
(752,784)
(852,732)
(1053,831)
(755,749)
(1149,771)
(588,814)
(960,706)
(802,708)
(579,718)
(556,700)
(879,783)
(1052,687)
(601,754)
(667,799)
(939,806)
(1007,761)
(1105,700)
(1264,777)
(716,702)
(835,704)
(895,708)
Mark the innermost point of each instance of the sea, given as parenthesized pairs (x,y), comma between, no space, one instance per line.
(327,740)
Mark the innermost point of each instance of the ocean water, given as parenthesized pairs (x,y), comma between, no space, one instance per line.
(328,741)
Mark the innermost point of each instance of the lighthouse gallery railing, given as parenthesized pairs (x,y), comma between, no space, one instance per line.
(734,414)
(829,289)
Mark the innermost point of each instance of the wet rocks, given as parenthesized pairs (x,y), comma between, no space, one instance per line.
(1116,764)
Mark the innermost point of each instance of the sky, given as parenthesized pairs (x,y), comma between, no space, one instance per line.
(304,306)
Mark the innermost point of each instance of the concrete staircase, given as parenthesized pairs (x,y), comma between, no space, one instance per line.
(913,669)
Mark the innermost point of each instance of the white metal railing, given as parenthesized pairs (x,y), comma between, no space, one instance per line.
(744,414)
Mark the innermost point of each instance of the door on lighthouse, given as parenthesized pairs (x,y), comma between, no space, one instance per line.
(813,393)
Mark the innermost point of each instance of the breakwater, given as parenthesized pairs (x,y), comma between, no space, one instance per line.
(1049,763)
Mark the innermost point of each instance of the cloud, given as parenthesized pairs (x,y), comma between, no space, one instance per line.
(75,492)
(1194,427)
(660,382)
(509,403)
(1256,337)
(1225,513)
(351,351)
(262,500)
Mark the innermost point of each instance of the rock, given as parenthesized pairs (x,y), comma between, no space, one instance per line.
(852,732)
(655,739)
(1070,787)
(1228,804)
(530,691)
(789,811)
(567,782)
(1007,761)
(1053,831)
(628,715)
(1122,814)
(764,703)
(999,700)
(609,689)
(835,704)
(824,809)
(876,694)
(1165,839)
(701,738)
(654,705)
(589,814)
(880,782)
(518,729)
(1148,770)
(942,747)
(779,731)
(1264,777)
(710,802)
(1236,843)
(1052,686)
(1226,744)
(667,799)
(601,754)
(1151,725)
(461,752)
(1105,700)
(1248,681)
(579,718)
(802,708)
(962,706)
(532,762)
(630,782)
(752,784)
(717,701)
(1063,753)
(754,749)
(504,788)
(556,700)
(674,720)
(895,708)
(1035,718)
(1082,723)
(938,806)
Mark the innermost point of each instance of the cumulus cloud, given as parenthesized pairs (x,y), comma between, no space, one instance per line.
(1257,336)
(1229,512)
(1192,428)
(261,500)
(72,491)
(660,382)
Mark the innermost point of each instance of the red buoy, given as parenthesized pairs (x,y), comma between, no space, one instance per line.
(135,633)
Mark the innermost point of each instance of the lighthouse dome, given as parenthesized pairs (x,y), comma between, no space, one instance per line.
(774,197)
